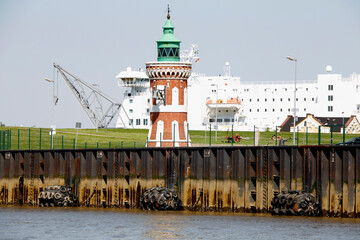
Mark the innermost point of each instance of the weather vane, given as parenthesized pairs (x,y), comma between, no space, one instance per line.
(168,16)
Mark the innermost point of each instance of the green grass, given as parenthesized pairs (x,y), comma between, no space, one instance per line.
(18,138)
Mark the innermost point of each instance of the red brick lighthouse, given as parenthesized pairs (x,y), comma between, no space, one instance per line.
(168,82)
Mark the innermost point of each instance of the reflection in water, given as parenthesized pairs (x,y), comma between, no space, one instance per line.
(164,225)
(95,223)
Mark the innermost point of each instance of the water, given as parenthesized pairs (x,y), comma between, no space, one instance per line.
(91,223)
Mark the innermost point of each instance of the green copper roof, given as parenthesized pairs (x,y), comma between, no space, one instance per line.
(168,33)
(168,45)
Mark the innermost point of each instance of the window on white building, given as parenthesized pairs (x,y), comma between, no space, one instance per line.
(145,121)
(289,99)
(330,98)
(131,122)
(330,108)
(304,99)
(227,120)
(131,111)
(330,87)
(131,100)
(138,121)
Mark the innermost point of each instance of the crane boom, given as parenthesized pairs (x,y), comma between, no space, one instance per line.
(90,99)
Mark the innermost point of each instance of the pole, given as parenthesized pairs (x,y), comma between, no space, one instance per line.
(254,135)
(51,132)
(160,139)
(331,135)
(205,133)
(275,136)
(210,137)
(343,133)
(307,136)
(40,139)
(319,135)
(216,126)
(297,136)
(294,102)
(187,135)
(18,139)
(174,136)
(232,133)
(29,138)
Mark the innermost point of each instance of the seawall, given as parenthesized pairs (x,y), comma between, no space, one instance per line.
(238,179)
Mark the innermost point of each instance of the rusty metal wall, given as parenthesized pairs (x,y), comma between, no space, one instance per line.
(239,179)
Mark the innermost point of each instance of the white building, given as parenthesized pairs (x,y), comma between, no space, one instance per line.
(225,101)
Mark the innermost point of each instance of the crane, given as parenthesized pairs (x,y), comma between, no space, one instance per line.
(90,97)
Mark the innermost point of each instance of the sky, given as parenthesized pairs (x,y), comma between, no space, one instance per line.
(95,40)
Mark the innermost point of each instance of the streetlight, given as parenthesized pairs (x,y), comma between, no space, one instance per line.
(55,100)
(216,103)
(294,60)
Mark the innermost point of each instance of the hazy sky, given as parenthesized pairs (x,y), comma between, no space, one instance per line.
(95,40)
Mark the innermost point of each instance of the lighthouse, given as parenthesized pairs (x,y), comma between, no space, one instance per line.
(168,83)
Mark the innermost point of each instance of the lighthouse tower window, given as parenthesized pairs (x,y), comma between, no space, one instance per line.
(168,52)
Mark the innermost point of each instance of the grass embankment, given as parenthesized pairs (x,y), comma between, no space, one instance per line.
(40,138)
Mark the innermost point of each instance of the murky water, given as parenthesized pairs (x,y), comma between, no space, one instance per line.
(89,223)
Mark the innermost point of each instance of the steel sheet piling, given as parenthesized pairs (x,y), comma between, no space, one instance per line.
(239,179)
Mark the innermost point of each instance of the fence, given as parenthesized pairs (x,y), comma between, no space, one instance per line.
(45,138)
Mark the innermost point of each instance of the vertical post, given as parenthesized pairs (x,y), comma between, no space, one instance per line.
(319,135)
(232,134)
(254,135)
(40,139)
(10,139)
(307,136)
(18,138)
(174,136)
(297,136)
(51,141)
(205,133)
(187,135)
(331,135)
(29,137)
(0,140)
(62,141)
(275,136)
(210,137)
(343,133)
(160,138)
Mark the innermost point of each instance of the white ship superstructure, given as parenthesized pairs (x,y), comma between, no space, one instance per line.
(225,101)
(135,110)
